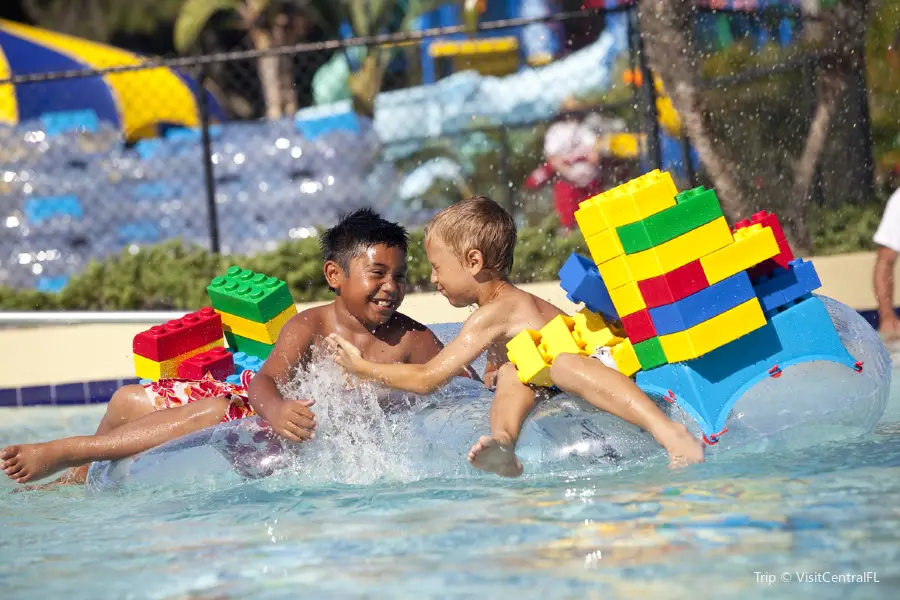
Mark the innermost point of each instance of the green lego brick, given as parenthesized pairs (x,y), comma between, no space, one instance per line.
(253,296)
(692,209)
(247,346)
(650,353)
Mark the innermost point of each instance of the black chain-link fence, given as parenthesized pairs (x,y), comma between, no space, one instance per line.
(454,116)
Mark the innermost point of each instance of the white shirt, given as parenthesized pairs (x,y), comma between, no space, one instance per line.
(888,233)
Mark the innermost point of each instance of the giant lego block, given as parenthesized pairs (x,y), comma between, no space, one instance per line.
(708,387)
(650,353)
(604,246)
(146,368)
(704,305)
(639,327)
(674,285)
(637,199)
(592,331)
(245,362)
(252,296)
(627,299)
(667,257)
(557,338)
(751,246)
(162,342)
(713,333)
(782,286)
(266,333)
(590,218)
(252,347)
(525,353)
(583,283)
(216,361)
(692,209)
(625,358)
(785,254)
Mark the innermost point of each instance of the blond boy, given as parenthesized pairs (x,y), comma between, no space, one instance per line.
(470,247)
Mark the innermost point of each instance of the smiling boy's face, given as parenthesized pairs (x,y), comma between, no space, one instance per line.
(373,286)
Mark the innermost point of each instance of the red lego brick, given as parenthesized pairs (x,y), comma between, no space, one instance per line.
(639,326)
(219,362)
(785,256)
(193,330)
(674,285)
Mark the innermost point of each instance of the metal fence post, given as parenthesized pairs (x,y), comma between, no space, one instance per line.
(209,179)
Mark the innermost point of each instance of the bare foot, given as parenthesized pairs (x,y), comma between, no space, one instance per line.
(683,448)
(25,462)
(74,476)
(495,455)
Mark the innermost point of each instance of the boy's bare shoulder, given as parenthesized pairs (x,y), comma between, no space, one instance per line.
(312,320)
(408,326)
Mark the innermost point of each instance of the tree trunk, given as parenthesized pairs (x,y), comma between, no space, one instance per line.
(366,83)
(285,67)
(268,73)
(666,30)
(828,92)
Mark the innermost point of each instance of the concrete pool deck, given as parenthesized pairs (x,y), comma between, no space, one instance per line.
(43,355)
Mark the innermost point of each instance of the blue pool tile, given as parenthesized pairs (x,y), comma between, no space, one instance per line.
(102,391)
(36,395)
(70,393)
(9,397)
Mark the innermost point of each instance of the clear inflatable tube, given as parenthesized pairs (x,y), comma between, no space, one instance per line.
(358,442)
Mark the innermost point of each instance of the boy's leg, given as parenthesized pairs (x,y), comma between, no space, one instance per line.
(610,390)
(25,462)
(128,403)
(513,402)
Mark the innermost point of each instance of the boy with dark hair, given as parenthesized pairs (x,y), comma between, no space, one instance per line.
(365,265)
(470,247)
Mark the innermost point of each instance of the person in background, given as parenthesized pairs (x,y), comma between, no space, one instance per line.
(887,236)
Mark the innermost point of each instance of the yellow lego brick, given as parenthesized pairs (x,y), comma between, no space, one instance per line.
(638,199)
(615,272)
(604,246)
(626,360)
(713,333)
(524,352)
(590,218)
(751,246)
(266,333)
(693,245)
(557,338)
(591,331)
(627,299)
(150,369)
(471,47)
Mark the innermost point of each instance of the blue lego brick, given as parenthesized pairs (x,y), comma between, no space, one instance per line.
(703,305)
(582,282)
(64,121)
(783,286)
(138,232)
(52,285)
(708,387)
(233,379)
(45,208)
(316,121)
(245,362)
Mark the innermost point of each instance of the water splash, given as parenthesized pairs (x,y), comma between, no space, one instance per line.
(356,442)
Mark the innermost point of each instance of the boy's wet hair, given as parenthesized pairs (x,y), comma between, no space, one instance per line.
(357,232)
(477,223)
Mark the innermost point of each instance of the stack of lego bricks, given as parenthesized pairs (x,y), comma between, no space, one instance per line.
(180,346)
(253,308)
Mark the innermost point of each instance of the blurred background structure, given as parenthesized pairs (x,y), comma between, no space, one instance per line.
(271,118)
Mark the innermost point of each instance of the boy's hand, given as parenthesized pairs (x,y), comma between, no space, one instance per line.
(347,355)
(292,420)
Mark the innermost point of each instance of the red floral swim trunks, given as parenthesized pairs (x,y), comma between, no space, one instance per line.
(170,393)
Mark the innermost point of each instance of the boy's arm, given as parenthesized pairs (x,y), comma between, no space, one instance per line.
(482,328)
(290,419)
(426,345)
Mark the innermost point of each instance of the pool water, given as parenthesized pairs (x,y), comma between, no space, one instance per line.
(735,527)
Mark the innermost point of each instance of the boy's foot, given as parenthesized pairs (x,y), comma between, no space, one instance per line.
(495,455)
(683,448)
(25,462)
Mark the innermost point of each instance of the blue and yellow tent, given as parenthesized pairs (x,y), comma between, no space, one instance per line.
(137,102)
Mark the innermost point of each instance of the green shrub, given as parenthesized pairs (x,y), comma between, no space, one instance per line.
(172,276)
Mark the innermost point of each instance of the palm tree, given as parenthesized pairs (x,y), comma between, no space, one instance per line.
(269,25)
